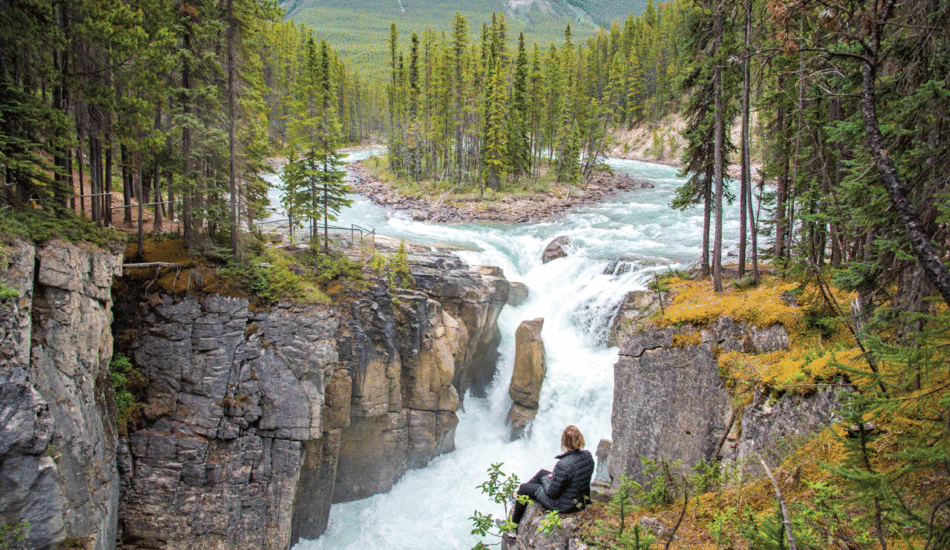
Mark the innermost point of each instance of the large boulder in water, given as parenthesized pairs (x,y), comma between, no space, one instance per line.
(555,249)
(527,376)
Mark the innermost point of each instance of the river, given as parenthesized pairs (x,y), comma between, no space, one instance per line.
(430,508)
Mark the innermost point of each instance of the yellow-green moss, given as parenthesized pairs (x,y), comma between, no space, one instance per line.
(695,302)
(687,339)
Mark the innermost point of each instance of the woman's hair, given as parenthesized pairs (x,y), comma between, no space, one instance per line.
(572,439)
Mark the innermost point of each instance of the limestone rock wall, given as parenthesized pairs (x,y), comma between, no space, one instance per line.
(235,401)
(257,421)
(669,400)
(772,430)
(57,426)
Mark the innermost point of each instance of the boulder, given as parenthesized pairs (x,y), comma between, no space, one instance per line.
(531,536)
(527,376)
(555,249)
(517,293)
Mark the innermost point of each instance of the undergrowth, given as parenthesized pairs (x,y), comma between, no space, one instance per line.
(267,274)
(877,478)
(45,224)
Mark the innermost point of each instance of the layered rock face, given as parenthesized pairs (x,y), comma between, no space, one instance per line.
(233,397)
(57,425)
(669,400)
(527,377)
(257,421)
(772,430)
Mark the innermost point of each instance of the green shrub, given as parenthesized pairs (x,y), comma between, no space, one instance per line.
(500,487)
(395,268)
(8,294)
(126,381)
(620,506)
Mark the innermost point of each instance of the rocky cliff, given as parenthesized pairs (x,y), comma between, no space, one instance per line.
(669,400)
(256,421)
(57,427)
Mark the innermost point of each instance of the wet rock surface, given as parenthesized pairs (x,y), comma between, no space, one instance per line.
(556,249)
(527,376)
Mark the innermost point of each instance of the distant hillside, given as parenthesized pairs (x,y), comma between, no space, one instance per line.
(359,29)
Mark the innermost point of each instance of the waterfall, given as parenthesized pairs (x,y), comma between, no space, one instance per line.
(616,246)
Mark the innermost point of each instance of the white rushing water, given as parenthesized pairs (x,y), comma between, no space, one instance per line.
(430,507)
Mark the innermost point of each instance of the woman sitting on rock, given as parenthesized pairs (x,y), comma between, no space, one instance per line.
(567,489)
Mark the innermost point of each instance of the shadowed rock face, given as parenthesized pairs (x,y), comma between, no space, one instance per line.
(256,421)
(57,424)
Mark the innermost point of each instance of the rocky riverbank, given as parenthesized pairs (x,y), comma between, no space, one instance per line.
(512,208)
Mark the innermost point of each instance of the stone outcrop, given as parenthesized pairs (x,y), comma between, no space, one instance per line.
(235,402)
(57,418)
(635,309)
(474,296)
(258,420)
(669,400)
(772,430)
(530,534)
(518,293)
(556,249)
(527,377)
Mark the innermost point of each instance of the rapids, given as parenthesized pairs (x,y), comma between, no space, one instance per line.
(577,296)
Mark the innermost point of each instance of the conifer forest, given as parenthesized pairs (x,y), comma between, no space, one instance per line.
(836,114)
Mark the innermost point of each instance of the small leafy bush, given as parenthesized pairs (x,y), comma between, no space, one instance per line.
(500,487)
(127,381)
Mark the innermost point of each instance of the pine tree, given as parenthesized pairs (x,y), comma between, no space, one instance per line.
(519,146)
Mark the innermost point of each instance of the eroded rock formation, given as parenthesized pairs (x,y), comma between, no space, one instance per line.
(527,377)
(257,421)
(57,427)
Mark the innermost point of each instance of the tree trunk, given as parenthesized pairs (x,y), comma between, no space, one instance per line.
(107,198)
(126,185)
(923,248)
(232,177)
(745,187)
(186,191)
(718,153)
(781,186)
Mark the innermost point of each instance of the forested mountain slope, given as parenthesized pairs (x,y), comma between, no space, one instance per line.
(359,28)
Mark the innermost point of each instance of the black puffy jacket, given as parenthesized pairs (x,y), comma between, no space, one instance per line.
(570,484)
